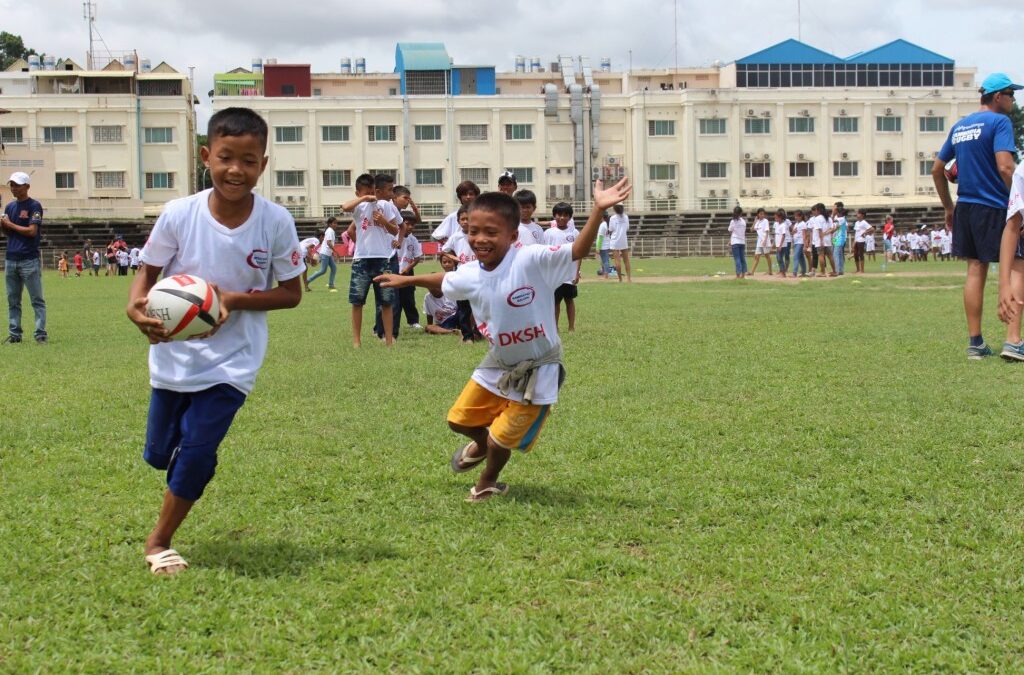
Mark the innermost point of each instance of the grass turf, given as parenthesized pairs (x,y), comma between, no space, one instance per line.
(739,476)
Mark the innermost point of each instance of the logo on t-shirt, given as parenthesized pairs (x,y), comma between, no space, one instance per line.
(295,258)
(521,297)
(259,259)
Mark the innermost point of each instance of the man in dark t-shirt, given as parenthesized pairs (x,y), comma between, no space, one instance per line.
(22,223)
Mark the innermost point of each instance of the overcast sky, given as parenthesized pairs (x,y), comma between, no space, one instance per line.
(223,34)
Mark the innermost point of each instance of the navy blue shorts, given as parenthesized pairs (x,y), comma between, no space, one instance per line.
(363,272)
(566,292)
(978,231)
(451,323)
(184,431)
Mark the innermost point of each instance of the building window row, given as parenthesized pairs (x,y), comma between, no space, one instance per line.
(775,75)
(160,180)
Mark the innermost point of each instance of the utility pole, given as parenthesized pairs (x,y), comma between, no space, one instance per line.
(89,14)
(675,40)
(799,23)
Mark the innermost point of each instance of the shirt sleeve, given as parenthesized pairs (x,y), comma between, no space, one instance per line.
(554,264)
(1016,195)
(286,258)
(35,217)
(162,245)
(448,246)
(1002,140)
(458,285)
(417,249)
(946,152)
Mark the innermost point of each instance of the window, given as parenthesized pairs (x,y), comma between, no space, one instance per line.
(290,178)
(381,133)
(58,135)
(428,132)
(757,125)
(889,123)
(662,171)
(106,134)
(713,204)
(845,125)
(801,125)
(12,134)
(287,134)
(334,134)
(160,181)
(318,92)
(925,167)
(384,172)
(109,180)
(523,174)
(428,177)
(333,211)
(888,168)
(337,177)
(661,128)
(472,132)
(287,90)
(712,170)
(478,176)
(758,169)
(432,209)
(930,123)
(158,135)
(712,127)
(518,132)
(65,180)
(801,169)
(845,169)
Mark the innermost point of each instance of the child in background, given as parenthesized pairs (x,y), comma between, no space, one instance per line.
(457,249)
(308,248)
(508,398)
(95,263)
(62,265)
(783,240)
(763,246)
(869,245)
(800,240)
(441,311)
(507,183)
(400,197)
(133,259)
(78,264)
(326,253)
(618,231)
(199,385)
(410,255)
(738,242)
(529,231)
(604,248)
(465,192)
(558,235)
(373,228)
(861,229)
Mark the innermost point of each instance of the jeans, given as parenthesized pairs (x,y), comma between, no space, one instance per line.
(782,257)
(839,257)
(25,274)
(739,256)
(396,314)
(325,262)
(606,265)
(799,262)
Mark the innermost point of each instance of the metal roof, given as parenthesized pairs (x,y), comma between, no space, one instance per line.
(421,56)
(796,52)
(899,51)
(790,51)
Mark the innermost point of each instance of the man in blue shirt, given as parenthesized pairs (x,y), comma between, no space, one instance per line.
(22,222)
(982,144)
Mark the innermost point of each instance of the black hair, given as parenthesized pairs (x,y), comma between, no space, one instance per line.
(761,210)
(236,122)
(465,187)
(382,180)
(839,205)
(737,211)
(987,98)
(562,209)
(526,198)
(618,209)
(506,178)
(364,180)
(798,212)
(332,220)
(401,190)
(502,205)
(409,215)
(462,209)
(781,213)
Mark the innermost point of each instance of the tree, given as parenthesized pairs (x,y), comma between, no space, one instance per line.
(12,48)
(1017,117)
(202,174)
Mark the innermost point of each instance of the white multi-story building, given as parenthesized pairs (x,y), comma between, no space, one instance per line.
(785,126)
(113,142)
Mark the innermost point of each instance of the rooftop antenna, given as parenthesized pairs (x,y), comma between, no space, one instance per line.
(675,39)
(89,14)
(799,23)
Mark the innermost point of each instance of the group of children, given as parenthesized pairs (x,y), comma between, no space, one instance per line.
(243,243)
(124,260)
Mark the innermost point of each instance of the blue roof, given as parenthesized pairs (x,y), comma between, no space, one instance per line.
(421,56)
(790,51)
(899,51)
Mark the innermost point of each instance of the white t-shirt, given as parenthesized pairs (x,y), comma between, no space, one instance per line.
(330,238)
(859,228)
(763,232)
(122,257)
(602,236)
(783,234)
(372,240)
(458,244)
(527,236)
(306,244)
(737,231)
(133,256)
(556,236)
(95,257)
(247,259)
(514,306)
(827,228)
(816,223)
(799,227)
(538,231)
(618,228)
(439,309)
(1016,204)
(449,226)
(410,251)
(947,242)
(869,242)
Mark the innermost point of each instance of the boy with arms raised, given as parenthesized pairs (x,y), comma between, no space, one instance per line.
(511,289)
(241,243)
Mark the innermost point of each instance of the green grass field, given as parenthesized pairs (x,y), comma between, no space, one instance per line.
(739,476)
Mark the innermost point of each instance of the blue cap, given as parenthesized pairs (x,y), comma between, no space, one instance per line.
(998,82)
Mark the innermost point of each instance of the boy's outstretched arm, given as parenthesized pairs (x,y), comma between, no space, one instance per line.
(431,282)
(351,204)
(604,199)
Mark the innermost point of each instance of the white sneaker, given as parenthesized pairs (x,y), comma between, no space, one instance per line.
(416,326)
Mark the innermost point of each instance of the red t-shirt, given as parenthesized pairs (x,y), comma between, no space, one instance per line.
(78,260)
(887,230)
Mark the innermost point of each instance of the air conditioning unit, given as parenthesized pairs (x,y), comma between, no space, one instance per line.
(750,112)
(743,193)
(650,193)
(767,192)
(671,185)
(711,193)
(920,190)
(888,155)
(671,194)
(766,156)
(886,190)
(754,193)
(930,113)
(302,199)
(746,155)
(725,193)
(920,155)
(845,155)
(842,112)
(277,199)
(888,111)
(595,173)
(805,113)
(291,199)
(801,156)
(612,161)
(766,113)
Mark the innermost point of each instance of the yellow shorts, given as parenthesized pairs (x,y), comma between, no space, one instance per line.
(512,425)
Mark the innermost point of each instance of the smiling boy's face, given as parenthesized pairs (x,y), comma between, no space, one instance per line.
(490,237)
(235,164)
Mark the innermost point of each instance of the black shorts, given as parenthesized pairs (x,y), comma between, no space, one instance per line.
(978,231)
(565,292)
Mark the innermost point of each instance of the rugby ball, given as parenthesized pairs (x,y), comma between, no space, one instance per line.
(950,170)
(186,304)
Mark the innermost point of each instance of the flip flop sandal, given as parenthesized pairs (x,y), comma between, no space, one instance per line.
(461,462)
(498,490)
(164,559)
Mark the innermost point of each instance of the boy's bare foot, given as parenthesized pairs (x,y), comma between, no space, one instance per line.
(357,344)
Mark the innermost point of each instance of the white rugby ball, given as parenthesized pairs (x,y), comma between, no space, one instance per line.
(186,304)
